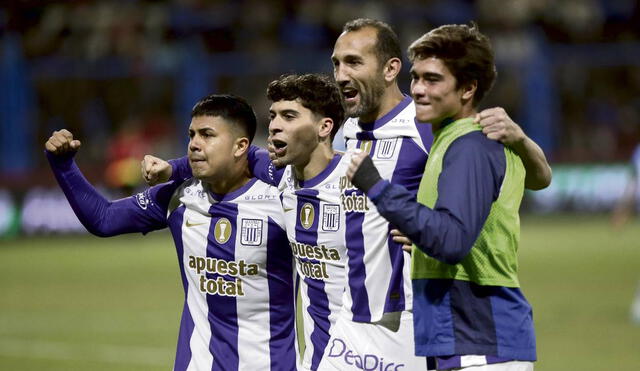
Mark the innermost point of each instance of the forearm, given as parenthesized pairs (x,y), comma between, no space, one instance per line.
(438,233)
(180,169)
(98,215)
(535,162)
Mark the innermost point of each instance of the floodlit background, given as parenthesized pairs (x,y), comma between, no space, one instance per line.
(123,76)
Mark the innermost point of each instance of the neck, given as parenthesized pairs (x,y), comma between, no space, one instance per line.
(236,178)
(318,160)
(465,112)
(389,100)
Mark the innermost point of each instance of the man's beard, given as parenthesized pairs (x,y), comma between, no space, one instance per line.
(369,102)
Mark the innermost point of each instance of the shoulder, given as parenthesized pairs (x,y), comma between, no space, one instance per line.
(475,149)
(476,142)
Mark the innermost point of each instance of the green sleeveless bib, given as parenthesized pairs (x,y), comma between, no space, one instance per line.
(493,258)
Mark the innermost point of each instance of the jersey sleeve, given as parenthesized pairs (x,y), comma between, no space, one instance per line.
(259,164)
(180,169)
(262,168)
(472,173)
(143,212)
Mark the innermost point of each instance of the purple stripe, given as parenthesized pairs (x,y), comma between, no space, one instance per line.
(183,348)
(410,165)
(318,301)
(408,172)
(388,116)
(183,351)
(355,252)
(281,299)
(357,273)
(223,314)
(394,301)
(493,359)
(445,363)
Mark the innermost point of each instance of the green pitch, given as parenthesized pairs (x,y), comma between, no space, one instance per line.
(85,303)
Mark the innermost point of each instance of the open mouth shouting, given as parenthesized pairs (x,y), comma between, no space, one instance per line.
(350,94)
(279,147)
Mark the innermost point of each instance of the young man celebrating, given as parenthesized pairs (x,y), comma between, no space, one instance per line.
(234,259)
(469,311)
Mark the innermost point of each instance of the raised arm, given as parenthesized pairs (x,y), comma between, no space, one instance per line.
(156,170)
(497,125)
(141,213)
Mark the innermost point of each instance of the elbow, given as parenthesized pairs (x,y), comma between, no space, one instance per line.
(540,182)
(98,230)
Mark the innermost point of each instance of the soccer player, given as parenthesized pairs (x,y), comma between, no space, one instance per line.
(367,60)
(234,259)
(469,311)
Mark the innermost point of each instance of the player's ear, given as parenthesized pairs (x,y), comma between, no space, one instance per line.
(326,125)
(241,146)
(469,90)
(391,69)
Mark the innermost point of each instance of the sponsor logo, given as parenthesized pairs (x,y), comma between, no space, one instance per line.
(142,200)
(222,286)
(251,233)
(367,362)
(222,230)
(189,223)
(307,215)
(330,217)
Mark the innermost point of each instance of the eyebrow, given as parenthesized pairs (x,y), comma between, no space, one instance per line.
(284,112)
(425,74)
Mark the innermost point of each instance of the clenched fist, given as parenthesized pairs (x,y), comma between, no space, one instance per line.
(62,142)
(497,125)
(155,170)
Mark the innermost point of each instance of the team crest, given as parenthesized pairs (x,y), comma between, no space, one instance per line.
(222,230)
(386,148)
(365,146)
(307,215)
(330,217)
(251,234)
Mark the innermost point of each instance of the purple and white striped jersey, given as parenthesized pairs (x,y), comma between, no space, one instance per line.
(235,264)
(237,273)
(315,227)
(378,270)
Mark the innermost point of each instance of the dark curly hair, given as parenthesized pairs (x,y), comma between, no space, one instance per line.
(232,108)
(316,92)
(465,51)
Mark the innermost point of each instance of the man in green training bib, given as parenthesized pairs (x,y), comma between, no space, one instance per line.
(469,312)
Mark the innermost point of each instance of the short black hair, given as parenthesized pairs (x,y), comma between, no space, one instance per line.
(465,51)
(229,107)
(316,92)
(387,43)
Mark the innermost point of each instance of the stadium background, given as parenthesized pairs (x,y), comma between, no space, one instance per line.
(123,75)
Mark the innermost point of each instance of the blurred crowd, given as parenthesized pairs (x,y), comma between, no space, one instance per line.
(110,70)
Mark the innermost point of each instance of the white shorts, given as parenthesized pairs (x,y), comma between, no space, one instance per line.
(505,366)
(387,345)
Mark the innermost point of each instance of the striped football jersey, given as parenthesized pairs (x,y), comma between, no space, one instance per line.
(237,273)
(379,271)
(315,227)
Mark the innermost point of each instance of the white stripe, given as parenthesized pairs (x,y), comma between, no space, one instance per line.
(54,350)
(194,242)
(253,331)
(466,361)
